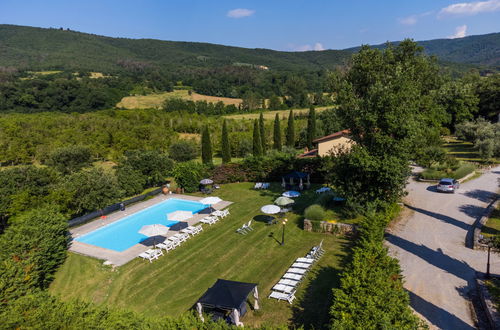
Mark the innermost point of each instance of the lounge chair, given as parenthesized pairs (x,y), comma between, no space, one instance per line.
(209,220)
(306,260)
(198,229)
(151,254)
(175,240)
(283,288)
(283,296)
(258,185)
(299,271)
(242,230)
(288,282)
(167,245)
(248,225)
(190,231)
(301,265)
(291,276)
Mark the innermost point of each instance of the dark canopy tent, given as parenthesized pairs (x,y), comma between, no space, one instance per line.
(294,180)
(230,296)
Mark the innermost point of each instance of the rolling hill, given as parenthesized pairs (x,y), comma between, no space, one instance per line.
(43,49)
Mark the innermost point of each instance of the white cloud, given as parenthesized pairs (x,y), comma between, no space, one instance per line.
(460,32)
(410,20)
(305,48)
(318,46)
(240,12)
(471,8)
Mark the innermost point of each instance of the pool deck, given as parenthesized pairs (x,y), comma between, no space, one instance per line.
(120,258)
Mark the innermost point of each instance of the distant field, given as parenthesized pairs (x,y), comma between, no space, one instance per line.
(272,114)
(155,100)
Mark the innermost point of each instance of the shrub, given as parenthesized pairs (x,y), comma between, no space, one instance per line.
(228,173)
(188,175)
(183,151)
(314,212)
(70,159)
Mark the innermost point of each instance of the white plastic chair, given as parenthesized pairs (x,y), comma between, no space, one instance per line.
(283,288)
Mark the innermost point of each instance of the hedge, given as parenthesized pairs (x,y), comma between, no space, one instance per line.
(436,174)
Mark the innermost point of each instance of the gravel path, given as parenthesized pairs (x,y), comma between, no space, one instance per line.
(429,242)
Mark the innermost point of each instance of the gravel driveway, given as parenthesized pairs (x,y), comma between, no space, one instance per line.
(429,242)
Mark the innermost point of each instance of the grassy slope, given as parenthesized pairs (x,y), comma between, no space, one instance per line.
(492,226)
(171,285)
(463,150)
(156,100)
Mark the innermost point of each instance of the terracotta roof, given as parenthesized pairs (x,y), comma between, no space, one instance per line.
(310,153)
(333,136)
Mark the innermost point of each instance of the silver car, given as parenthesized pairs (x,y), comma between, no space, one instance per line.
(448,185)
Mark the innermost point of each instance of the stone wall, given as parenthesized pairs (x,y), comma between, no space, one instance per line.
(476,244)
(332,228)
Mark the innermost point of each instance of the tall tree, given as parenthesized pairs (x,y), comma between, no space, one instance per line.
(311,127)
(257,145)
(206,147)
(290,131)
(277,133)
(262,130)
(225,147)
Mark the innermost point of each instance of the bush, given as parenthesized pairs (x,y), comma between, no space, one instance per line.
(443,171)
(183,151)
(314,212)
(70,159)
(228,173)
(188,175)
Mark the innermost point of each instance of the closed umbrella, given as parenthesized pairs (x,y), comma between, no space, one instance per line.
(153,231)
(206,181)
(282,201)
(283,184)
(291,194)
(180,215)
(270,209)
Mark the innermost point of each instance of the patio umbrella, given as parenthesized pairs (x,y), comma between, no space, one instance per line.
(210,200)
(270,209)
(179,226)
(283,184)
(282,201)
(206,181)
(291,194)
(154,230)
(180,215)
(301,185)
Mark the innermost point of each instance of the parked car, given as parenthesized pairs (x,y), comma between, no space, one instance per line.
(448,185)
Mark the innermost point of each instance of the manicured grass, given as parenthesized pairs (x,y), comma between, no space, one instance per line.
(156,100)
(492,226)
(172,284)
(494,290)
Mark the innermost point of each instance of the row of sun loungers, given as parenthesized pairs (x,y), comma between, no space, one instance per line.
(287,286)
(245,228)
(177,239)
(262,185)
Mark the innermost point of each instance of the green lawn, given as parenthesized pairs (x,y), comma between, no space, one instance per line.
(172,284)
(492,226)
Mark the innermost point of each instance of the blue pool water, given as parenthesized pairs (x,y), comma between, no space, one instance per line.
(124,233)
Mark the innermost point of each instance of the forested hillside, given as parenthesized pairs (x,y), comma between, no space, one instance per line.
(40,49)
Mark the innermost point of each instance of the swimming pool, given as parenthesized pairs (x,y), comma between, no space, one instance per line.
(124,233)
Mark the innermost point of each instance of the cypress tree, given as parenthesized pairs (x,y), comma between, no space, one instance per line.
(206,147)
(311,127)
(290,131)
(225,147)
(277,133)
(262,131)
(257,145)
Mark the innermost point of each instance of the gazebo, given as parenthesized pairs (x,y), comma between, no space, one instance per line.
(295,179)
(228,299)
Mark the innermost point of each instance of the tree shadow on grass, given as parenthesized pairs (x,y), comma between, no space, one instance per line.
(312,308)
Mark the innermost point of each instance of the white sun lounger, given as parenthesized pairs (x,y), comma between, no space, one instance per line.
(301,265)
(291,276)
(293,270)
(306,260)
(288,282)
(283,296)
(167,245)
(151,254)
(283,288)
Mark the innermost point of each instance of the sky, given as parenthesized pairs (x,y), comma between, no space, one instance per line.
(292,25)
